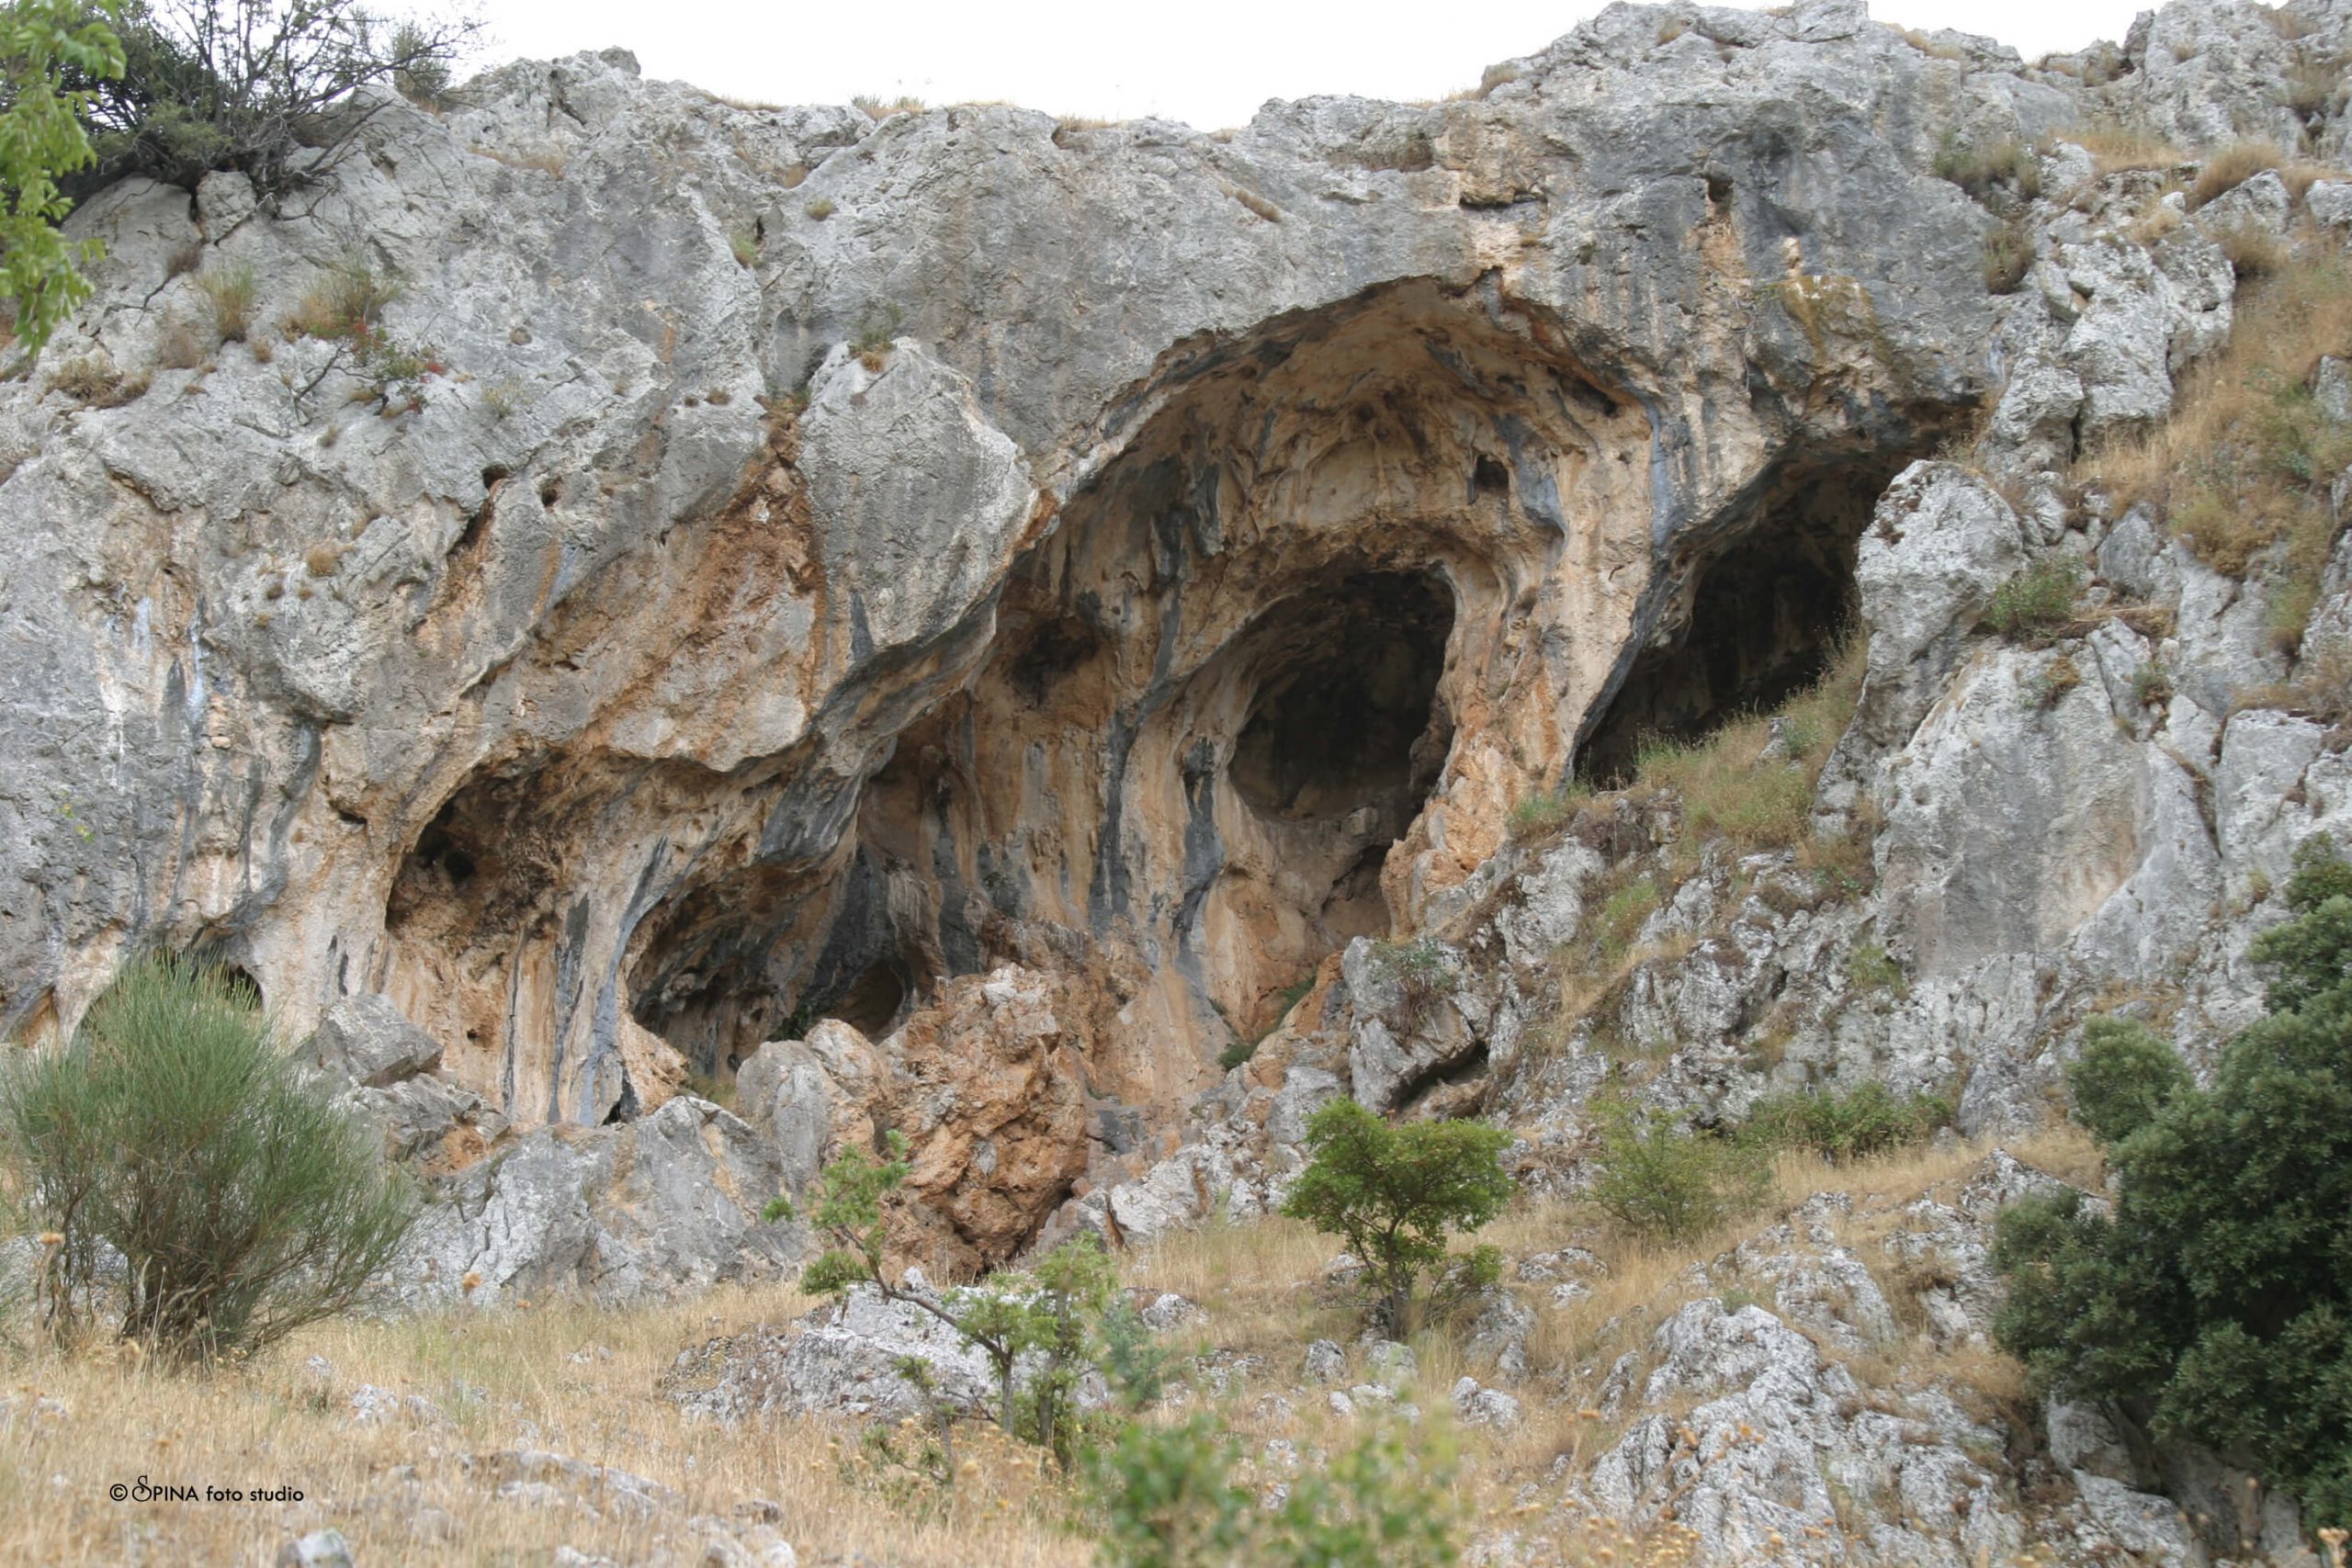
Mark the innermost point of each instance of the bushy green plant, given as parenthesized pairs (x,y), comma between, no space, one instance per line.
(1170,1498)
(170,1130)
(1663,1183)
(53,54)
(1042,1329)
(1394,1193)
(2031,606)
(1870,967)
(2219,1293)
(1048,1317)
(1867,1121)
(2125,1078)
(263,86)
(847,1215)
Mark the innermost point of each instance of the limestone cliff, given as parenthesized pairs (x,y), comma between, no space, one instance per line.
(1037,596)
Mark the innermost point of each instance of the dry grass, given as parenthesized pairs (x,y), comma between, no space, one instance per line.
(1732,789)
(1934,48)
(584,1383)
(547,163)
(179,346)
(568,1378)
(2242,467)
(2232,166)
(2118,148)
(1258,1280)
(230,290)
(879,108)
(1647,1281)
(94,383)
(1261,1282)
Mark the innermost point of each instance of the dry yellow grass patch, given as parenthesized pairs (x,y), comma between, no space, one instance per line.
(2232,166)
(1648,1281)
(2243,465)
(2116,147)
(568,1378)
(1259,1281)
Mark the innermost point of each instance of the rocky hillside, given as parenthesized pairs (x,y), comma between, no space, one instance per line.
(1756,551)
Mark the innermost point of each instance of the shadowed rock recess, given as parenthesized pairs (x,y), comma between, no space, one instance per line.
(1083,644)
(976,623)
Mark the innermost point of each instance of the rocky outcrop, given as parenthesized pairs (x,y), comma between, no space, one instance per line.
(621,1214)
(758,608)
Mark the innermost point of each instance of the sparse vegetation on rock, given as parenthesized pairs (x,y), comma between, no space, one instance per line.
(2218,1290)
(204,1197)
(1395,1193)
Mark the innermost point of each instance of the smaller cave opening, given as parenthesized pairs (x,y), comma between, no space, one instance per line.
(1055,650)
(1346,714)
(873,1001)
(1768,612)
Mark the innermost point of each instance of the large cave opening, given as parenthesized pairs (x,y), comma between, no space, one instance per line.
(1764,614)
(1346,718)
(1329,711)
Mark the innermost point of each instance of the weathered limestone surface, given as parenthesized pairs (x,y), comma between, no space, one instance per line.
(956,622)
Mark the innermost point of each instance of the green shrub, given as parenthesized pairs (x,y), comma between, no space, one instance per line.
(243,1201)
(255,85)
(2218,1294)
(1170,1498)
(2030,606)
(1843,1127)
(1050,1323)
(1619,917)
(1870,967)
(2125,1078)
(1534,815)
(1392,1192)
(1662,1184)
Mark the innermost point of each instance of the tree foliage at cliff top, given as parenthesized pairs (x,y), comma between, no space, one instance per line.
(262,86)
(2220,1292)
(46,46)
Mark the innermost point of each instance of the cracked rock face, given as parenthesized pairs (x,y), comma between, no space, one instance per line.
(966,621)
(829,559)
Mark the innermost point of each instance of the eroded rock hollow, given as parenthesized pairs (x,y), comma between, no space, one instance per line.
(785,611)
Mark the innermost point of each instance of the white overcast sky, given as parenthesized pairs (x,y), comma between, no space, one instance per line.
(1210,63)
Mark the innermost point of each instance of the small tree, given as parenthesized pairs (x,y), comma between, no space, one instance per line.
(46,46)
(172,1131)
(257,85)
(1394,1192)
(1053,1315)
(1661,1182)
(2220,1289)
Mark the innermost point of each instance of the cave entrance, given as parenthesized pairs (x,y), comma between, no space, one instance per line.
(874,1000)
(1345,715)
(1767,613)
(1339,732)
